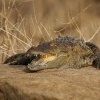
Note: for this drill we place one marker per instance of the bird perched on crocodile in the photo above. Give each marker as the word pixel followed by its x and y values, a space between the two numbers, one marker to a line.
pixel 62 52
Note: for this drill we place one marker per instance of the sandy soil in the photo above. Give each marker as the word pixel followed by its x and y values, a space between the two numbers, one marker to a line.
pixel 50 84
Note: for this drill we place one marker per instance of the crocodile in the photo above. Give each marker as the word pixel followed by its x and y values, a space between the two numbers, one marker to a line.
pixel 62 52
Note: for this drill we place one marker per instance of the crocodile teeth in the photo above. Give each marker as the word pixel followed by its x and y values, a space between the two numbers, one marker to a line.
pixel 36 55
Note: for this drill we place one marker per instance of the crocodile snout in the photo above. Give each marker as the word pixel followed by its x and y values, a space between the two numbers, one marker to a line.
pixel 41 63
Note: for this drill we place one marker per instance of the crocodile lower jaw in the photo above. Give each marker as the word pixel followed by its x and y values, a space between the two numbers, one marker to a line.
pixel 36 65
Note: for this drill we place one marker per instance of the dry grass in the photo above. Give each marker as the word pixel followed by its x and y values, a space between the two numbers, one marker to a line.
pixel 24 23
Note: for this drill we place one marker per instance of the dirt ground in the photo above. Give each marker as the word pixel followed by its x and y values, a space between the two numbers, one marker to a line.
pixel 50 84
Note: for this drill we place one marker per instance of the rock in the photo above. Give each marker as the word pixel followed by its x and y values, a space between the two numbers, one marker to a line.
pixel 49 84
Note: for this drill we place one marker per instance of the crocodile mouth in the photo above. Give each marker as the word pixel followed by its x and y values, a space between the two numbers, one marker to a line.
pixel 41 63
pixel 48 57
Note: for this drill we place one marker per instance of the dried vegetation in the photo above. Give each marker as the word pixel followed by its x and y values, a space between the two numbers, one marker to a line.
pixel 24 23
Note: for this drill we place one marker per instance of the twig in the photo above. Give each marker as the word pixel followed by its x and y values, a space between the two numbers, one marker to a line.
pixel 37 22
pixel 5 53
pixel 73 18
pixel 46 31
pixel 94 34
pixel 15 37
pixel 79 31
pixel 12 24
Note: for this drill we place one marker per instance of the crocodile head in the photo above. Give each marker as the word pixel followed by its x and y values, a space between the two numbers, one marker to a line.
pixel 41 63
pixel 62 53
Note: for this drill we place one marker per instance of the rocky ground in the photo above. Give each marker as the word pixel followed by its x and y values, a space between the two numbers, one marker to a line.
pixel 50 84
